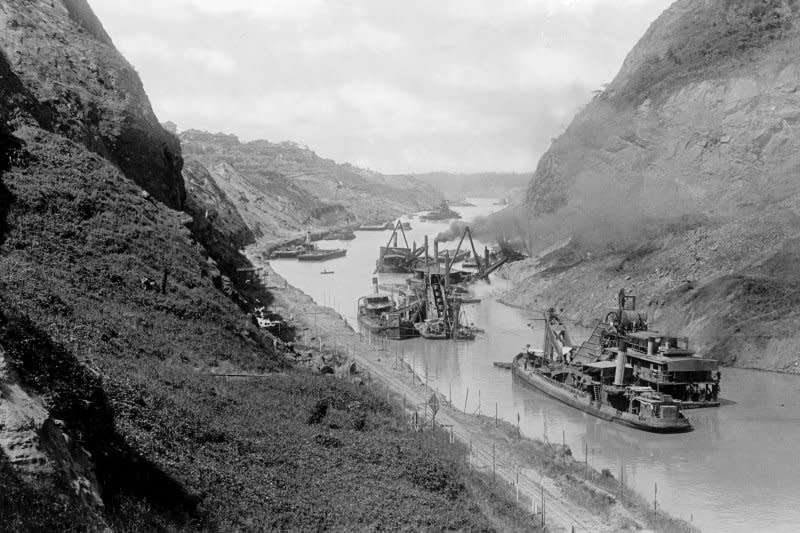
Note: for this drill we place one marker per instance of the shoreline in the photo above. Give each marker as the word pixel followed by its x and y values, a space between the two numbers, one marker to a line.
pixel 489 445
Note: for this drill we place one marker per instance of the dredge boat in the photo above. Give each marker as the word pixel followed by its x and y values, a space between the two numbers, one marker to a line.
pixel 660 361
pixel 600 387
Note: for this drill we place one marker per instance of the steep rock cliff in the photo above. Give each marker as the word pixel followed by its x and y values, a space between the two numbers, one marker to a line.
pixel 679 182
pixel 75 83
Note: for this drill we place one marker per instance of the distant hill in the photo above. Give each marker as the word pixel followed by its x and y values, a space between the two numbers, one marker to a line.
pixel 280 188
pixel 680 183
pixel 457 186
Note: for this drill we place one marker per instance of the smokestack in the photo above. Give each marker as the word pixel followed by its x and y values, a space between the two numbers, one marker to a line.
pixel 651 347
pixel 436 253
pixel 426 251
pixel 619 375
pixel 375 284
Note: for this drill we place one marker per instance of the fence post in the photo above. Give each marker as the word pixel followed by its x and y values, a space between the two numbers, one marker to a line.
pixel 655 498
pixel 494 477
pixel 586 455
pixel 542 505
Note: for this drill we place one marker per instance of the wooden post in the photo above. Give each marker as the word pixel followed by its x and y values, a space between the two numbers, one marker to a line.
pixel 542 505
pixel 655 498
pixel 586 455
pixel 494 477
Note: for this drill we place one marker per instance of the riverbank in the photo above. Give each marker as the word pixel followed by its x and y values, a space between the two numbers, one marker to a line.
pixel 535 470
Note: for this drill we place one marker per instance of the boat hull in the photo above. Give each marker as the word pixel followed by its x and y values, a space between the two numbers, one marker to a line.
pixel 581 400
pixel 394 329
pixel 317 256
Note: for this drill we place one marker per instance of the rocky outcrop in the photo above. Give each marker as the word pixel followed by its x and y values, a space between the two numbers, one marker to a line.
pixel 72 81
pixel 679 182
pixel 215 220
pixel 36 446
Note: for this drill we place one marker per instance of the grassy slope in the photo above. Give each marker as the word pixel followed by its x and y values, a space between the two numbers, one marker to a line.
pixel 177 449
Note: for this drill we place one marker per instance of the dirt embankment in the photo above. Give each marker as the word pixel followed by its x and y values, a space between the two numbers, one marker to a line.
pixel 678 182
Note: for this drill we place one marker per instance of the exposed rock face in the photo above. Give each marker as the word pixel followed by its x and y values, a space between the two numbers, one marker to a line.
pixel 337 189
pixel 34 444
pixel 216 222
pixel 679 181
pixel 68 78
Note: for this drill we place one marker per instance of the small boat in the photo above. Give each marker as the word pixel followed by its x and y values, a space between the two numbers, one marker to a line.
pixel 599 388
pixel 326 271
pixel 321 254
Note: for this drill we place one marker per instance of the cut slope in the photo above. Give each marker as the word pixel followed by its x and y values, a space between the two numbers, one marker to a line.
pixel 679 175
pixel 366 194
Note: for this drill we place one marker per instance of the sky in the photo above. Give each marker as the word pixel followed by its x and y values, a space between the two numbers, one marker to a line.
pixel 399 86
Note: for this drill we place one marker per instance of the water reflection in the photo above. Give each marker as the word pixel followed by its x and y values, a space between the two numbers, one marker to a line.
pixel 737 471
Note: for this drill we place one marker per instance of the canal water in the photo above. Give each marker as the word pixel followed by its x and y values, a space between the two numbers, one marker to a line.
pixel 738 471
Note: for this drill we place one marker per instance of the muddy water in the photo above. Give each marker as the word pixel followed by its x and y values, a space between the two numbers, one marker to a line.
pixel 739 470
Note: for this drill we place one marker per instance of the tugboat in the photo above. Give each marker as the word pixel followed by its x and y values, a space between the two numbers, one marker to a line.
pixel 601 388
pixel 442 212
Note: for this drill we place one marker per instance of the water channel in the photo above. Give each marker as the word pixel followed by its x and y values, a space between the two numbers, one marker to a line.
pixel 738 471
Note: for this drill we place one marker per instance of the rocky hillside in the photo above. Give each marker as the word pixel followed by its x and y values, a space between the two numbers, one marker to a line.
pixel 283 186
pixel 679 182
pixel 271 207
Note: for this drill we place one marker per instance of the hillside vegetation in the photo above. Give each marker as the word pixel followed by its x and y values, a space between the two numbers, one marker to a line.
pixel 679 182
pixel 114 328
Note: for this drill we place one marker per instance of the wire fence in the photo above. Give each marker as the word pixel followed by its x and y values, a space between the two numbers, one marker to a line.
pixel 532 494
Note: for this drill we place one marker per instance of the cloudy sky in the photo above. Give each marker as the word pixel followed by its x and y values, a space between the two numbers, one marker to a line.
pixel 396 86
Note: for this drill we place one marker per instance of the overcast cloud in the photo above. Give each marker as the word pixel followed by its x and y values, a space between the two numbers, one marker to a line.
pixel 400 86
